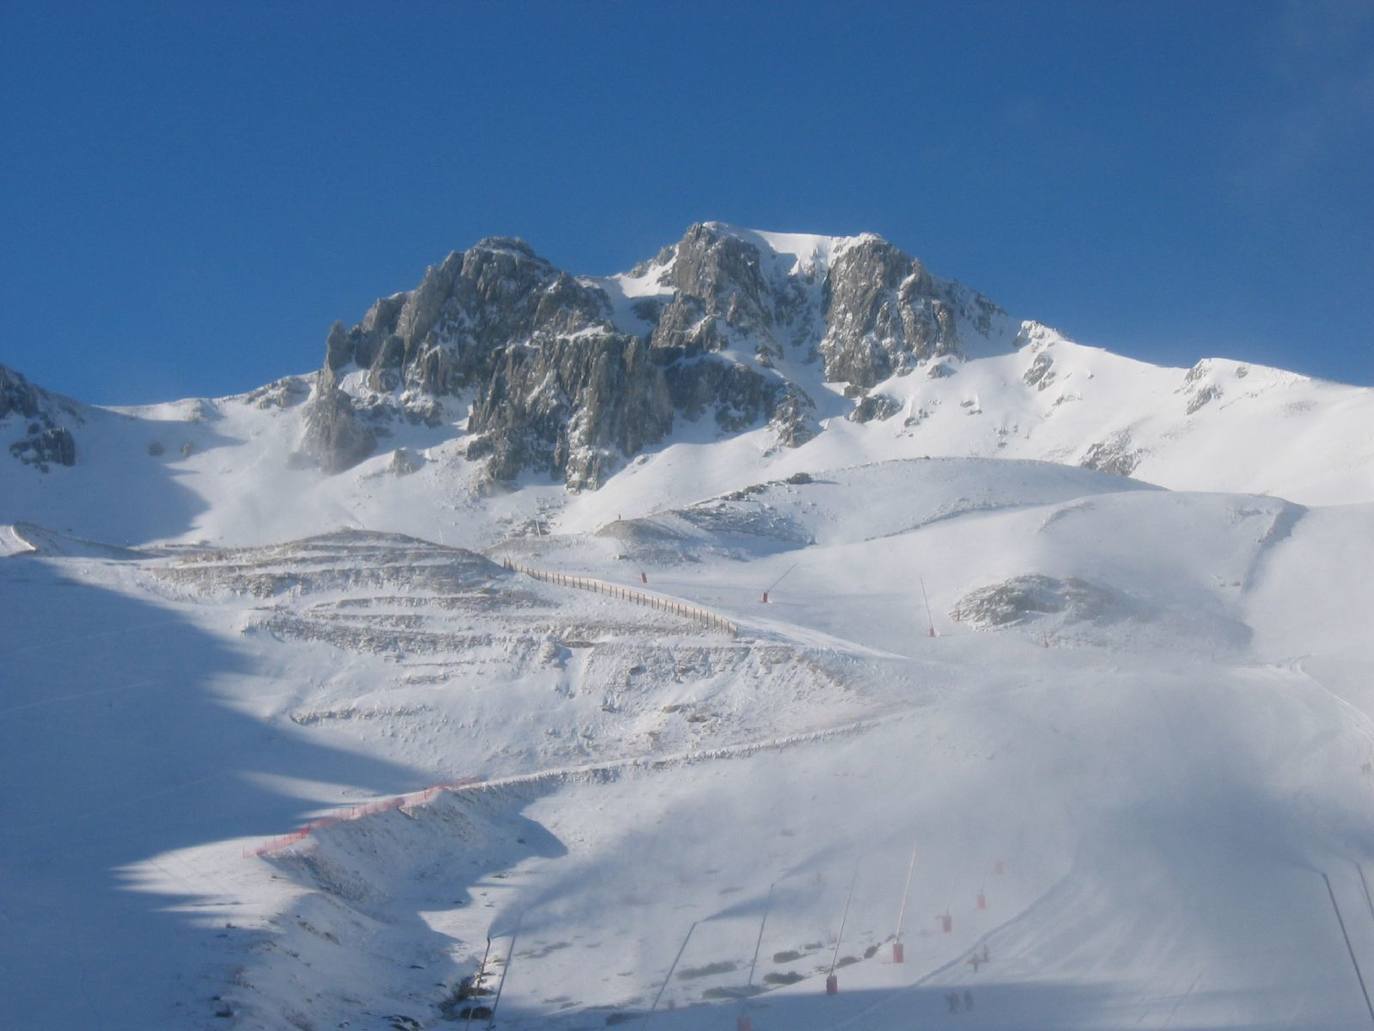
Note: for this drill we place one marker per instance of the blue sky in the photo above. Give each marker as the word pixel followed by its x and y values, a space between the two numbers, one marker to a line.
pixel 191 193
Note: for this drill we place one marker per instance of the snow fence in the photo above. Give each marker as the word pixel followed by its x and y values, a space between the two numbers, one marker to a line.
pixel 705 617
pixel 357 812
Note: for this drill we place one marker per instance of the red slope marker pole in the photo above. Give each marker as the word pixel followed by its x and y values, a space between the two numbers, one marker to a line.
pixel 832 983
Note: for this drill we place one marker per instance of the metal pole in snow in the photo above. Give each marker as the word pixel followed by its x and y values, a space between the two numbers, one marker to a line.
pixel 1365 885
pixel 477 981
pixel 661 988
pixel 844 919
pixel 930 620
pixel 762 924
pixel 780 579
pixel 505 969
pixel 1349 948
pixel 906 891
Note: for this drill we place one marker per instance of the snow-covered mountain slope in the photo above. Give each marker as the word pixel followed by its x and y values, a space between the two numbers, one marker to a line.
pixel 224 471
pixel 760 355
pixel 600 622
pixel 1142 749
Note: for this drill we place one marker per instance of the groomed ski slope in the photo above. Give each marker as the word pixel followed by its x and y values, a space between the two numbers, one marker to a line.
pixel 1163 767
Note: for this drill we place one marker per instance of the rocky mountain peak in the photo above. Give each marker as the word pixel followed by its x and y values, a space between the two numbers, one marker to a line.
pixel 570 376
pixel 883 313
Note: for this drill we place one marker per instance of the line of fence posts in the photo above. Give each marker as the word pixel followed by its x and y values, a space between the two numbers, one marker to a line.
pixel 699 615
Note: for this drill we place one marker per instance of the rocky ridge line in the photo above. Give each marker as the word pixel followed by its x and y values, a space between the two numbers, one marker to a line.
pixel 558 375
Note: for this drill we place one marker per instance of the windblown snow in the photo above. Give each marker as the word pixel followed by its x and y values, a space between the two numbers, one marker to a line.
pixel 1056 714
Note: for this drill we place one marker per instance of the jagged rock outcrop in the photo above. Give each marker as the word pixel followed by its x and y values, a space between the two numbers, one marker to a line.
pixel 561 381
pixel 875 407
pixel 724 296
pixel 1041 372
pixel 17 395
pixel 1117 455
pixel 572 410
pixel 884 313
pixel 334 436
pixel 45 441
pixel 54 445
pixel 447 333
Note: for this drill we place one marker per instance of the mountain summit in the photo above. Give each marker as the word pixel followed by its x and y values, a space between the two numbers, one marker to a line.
pixel 571 375
pixel 729 358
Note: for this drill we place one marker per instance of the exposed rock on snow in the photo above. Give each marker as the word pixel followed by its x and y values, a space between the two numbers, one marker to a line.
pixel 45 441
pixel 875 407
pixel 404 462
pixel 1024 598
pixel 1115 455
pixel 1041 372
pixel 884 312
pixel 284 393
pixel 334 436
pixel 17 395
pixel 573 410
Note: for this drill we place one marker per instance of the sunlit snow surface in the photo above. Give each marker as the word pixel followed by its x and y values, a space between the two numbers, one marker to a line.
pixel 1140 731
pixel 1161 768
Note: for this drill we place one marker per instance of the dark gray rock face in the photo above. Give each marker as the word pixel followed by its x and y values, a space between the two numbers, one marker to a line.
pixel 1116 455
pixel 45 441
pixel 1041 372
pixel 447 333
pixel 46 447
pixel 875 407
pixel 723 294
pixel 557 385
pixel 17 394
pixel 572 410
pixel 883 313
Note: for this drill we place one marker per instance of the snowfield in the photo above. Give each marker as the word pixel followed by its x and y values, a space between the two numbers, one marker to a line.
pixel 1144 784
pixel 1063 684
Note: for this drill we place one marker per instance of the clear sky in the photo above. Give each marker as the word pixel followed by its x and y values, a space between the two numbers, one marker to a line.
pixel 190 193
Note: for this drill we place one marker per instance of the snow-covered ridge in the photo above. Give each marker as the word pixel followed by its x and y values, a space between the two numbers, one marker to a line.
pixel 811 253
pixel 13 542
pixel 733 357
